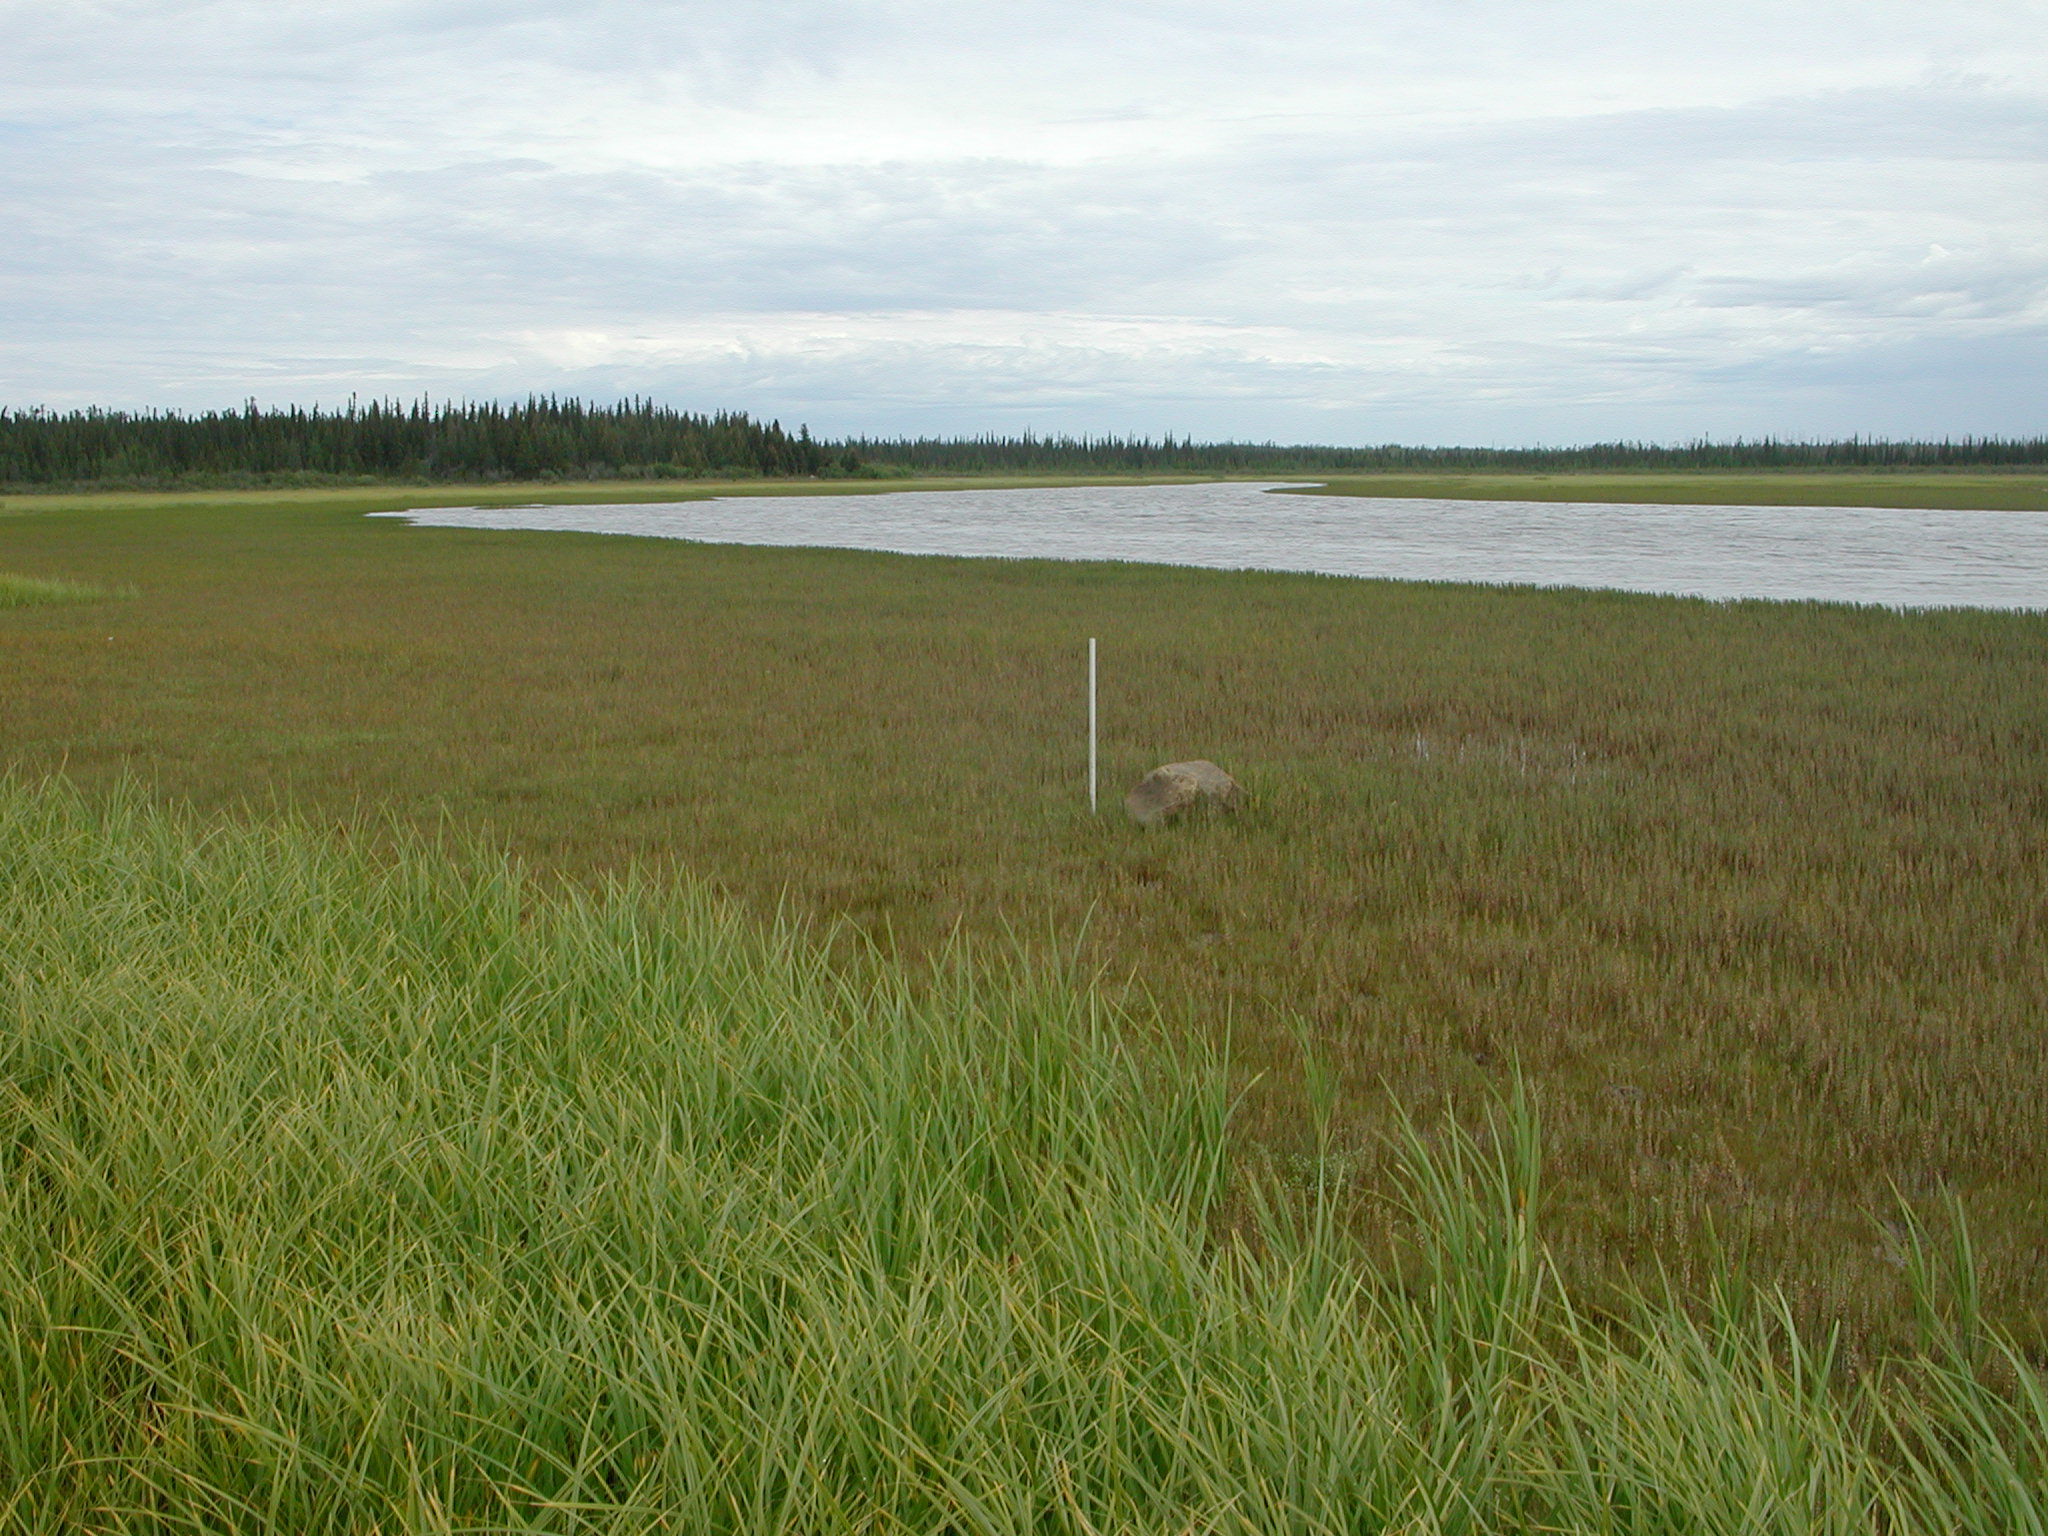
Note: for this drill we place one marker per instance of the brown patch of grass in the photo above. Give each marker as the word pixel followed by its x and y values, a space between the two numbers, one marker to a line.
pixel 1751 891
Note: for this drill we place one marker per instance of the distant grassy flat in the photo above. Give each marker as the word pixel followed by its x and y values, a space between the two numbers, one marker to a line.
pixel 2014 490
pixel 521 492
pixel 1752 891
pixel 2019 491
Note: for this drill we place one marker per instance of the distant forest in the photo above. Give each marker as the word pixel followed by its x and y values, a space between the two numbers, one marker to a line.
pixel 992 455
pixel 552 439
pixel 542 439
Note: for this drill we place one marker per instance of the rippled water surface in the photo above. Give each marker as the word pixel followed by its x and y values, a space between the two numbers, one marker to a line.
pixel 1904 558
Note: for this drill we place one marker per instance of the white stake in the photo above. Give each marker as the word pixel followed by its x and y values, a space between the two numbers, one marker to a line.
pixel 1091 725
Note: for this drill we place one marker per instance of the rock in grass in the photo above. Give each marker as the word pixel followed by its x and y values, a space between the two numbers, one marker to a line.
pixel 1173 788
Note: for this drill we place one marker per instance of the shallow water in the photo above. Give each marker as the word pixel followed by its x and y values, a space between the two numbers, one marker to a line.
pixel 1899 557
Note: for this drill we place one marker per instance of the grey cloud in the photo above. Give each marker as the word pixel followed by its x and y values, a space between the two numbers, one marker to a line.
pixel 1909 284
pixel 275 210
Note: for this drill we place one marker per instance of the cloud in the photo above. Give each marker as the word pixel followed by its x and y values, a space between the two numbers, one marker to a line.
pixel 1469 220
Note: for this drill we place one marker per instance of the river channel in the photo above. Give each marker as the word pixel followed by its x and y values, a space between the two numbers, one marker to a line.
pixel 1905 558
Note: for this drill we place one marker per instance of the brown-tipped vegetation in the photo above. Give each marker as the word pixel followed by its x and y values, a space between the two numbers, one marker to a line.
pixel 1752 892
pixel 352 1193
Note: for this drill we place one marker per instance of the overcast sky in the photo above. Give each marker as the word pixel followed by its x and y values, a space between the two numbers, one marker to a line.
pixel 1492 221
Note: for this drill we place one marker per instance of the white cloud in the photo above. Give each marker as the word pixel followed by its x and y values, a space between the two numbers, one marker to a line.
pixel 1467 220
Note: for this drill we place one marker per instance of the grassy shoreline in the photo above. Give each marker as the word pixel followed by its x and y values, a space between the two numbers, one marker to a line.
pixel 2013 491
pixel 1749 890
pixel 500 493
pixel 2017 489
pixel 348 1188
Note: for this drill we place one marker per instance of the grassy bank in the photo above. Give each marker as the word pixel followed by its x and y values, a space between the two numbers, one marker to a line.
pixel 1752 892
pixel 349 1190
pixel 360 498
pixel 2001 490
pixel 1992 490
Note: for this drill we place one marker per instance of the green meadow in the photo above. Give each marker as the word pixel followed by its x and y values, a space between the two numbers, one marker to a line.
pixel 619 1034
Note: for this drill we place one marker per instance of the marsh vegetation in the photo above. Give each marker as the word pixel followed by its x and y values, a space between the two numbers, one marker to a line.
pixel 348 1188
pixel 1749 892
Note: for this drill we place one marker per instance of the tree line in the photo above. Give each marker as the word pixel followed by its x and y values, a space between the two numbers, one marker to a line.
pixel 551 438
pixel 543 438
pixel 984 455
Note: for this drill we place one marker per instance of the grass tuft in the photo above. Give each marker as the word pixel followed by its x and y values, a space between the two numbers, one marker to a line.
pixel 38 591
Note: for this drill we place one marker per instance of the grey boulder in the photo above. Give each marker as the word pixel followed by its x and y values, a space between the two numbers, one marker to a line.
pixel 1174 788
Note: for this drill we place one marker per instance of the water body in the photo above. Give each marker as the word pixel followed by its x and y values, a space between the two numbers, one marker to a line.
pixel 1898 557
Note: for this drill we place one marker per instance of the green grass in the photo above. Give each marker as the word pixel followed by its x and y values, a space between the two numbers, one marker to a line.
pixel 2008 490
pixel 39 591
pixel 524 493
pixel 1751 892
pixel 350 1189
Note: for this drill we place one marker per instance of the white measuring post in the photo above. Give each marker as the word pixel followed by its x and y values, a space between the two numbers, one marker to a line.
pixel 1091 725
